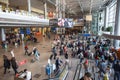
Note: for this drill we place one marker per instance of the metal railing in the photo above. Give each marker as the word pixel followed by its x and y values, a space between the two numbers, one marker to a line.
pixel 77 72
pixel 61 75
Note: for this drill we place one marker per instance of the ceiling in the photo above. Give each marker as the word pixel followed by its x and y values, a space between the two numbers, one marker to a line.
pixel 76 8
pixel 39 4
pixel 83 6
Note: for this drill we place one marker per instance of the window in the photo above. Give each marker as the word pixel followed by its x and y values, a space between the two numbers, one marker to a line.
pixel 111 14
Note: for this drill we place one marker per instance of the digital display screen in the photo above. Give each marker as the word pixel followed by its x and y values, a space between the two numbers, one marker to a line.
pixel 63 23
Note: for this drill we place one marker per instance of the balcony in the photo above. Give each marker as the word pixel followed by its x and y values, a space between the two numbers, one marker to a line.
pixel 21 19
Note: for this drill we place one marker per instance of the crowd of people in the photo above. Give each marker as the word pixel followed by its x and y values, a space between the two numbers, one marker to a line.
pixel 106 62
pixel 16 39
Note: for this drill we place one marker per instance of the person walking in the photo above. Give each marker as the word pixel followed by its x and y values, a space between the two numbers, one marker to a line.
pixel 57 63
pixel 116 68
pixel 14 65
pixel 12 53
pixel 54 50
pixel 6 63
pixel 37 55
pixel 26 50
pixel 86 65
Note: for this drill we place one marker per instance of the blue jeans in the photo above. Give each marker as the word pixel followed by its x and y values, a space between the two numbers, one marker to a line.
pixel 96 62
pixel 117 75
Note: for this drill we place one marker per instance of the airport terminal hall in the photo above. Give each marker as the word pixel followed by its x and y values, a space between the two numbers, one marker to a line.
pixel 59 39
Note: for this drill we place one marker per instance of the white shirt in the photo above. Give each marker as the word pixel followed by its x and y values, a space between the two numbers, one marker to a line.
pixel 28 75
pixel 12 53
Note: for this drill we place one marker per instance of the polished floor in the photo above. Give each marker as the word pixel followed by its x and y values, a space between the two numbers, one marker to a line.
pixel 37 68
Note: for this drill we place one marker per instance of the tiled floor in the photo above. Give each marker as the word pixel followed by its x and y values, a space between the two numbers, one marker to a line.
pixel 38 67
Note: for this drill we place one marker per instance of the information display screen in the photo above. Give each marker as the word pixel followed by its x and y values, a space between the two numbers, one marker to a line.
pixel 67 23
pixel 63 23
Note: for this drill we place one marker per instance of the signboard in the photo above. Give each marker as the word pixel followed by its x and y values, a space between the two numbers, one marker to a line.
pixel 28 31
pixel 21 31
pixel 61 23
pixel 53 22
pixel 67 23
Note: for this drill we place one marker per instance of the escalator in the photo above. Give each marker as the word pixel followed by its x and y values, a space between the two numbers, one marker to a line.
pixel 61 75
pixel 80 71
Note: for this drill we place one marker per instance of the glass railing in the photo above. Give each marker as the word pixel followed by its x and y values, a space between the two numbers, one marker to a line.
pixel 22 12
pixel 77 72
pixel 61 75
pixel 52 1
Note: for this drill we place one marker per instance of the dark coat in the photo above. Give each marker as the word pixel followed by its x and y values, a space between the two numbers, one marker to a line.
pixel 14 64
pixel 6 63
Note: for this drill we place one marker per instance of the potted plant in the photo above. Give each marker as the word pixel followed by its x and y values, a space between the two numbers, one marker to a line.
pixel 109 29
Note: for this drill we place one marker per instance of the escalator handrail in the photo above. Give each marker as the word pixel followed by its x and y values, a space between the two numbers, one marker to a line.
pixel 76 71
pixel 58 75
pixel 79 71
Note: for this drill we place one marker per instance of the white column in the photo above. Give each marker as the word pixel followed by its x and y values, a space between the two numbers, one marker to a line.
pixel 45 7
pixel 57 9
pixel 117 24
pixel 106 17
pixel 29 6
pixel 3 34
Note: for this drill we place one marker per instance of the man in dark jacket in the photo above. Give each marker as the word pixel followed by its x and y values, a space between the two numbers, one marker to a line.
pixel 14 65
pixel 6 63
pixel 87 76
pixel 116 68
pixel 57 63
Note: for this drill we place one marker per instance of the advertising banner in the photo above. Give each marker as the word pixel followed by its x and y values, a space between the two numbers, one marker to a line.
pixel 61 23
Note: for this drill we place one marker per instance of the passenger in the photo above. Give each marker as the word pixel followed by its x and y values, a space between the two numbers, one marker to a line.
pixel 6 63
pixel 116 68
pixel 37 55
pixel 14 65
pixel 54 52
pixel 86 65
pixel 26 50
pixel 102 68
pixel 109 72
pixel 87 76
pixel 12 53
pixel 28 75
pixel 57 63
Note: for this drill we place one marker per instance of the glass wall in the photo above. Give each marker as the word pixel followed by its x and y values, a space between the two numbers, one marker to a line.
pixel 111 12
pixel 111 15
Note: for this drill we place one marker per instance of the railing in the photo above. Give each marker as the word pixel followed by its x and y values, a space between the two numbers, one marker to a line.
pixel 52 1
pixel 61 75
pixel 17 19
pixel 77 72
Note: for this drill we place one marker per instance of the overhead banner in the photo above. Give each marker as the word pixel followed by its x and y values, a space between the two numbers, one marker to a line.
pixel 53 22
pixel 65 23
pixel 61 23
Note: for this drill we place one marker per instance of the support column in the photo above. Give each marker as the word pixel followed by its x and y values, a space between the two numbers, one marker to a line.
pixel 3 36
pixel 57 9
pixel 29 6
pixel 117 24
pixel 45 10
